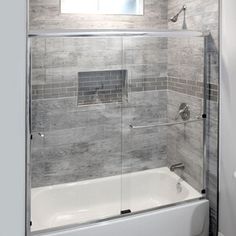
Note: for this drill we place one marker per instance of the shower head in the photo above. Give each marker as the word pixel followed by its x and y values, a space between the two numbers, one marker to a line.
pixel 175 18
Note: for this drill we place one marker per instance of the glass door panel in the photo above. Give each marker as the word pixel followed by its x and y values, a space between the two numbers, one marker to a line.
pixel 77 87
pixel 186 102
pixel 144 148
pixel 162 121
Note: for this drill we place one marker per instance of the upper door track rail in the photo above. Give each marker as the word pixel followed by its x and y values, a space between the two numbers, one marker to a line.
pixel 118 33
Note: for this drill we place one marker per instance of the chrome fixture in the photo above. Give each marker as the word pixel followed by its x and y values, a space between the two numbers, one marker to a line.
pixel 84 33
pixel 179 186
pixel 184 112
pixel 198 119
pixel 41 135
pixel 174 19
pixel 177 166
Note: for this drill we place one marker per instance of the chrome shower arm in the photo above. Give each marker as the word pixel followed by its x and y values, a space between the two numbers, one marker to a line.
pixel 175 18
pixel 182 9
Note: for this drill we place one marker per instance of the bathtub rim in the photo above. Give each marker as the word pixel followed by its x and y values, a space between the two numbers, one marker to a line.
pixel 197 194
pixel 159 170
pixel 109 219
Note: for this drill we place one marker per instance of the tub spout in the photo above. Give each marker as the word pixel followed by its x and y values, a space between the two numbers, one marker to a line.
pixel 177 166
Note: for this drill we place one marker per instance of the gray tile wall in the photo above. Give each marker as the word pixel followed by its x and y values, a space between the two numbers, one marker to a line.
pixel 45 14
pixel 84 142
pixel 186 84
pixel 185 142
pixel 201 15
pixel 58 60
pixel 96 140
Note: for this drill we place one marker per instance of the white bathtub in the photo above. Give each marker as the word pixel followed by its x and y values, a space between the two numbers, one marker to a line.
pixel 92 200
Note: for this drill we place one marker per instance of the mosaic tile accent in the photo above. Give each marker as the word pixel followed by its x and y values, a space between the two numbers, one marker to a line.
pixel 193 88
pixel 101 86
pixel 54 90
pixel 212 92
pixel 148 84
pixel 109 86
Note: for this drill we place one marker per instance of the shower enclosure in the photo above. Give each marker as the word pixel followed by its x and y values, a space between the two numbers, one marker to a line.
pixel 116 124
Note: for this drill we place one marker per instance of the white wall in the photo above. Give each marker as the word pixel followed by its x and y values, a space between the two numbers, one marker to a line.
pixel 228 120
pixel 12 120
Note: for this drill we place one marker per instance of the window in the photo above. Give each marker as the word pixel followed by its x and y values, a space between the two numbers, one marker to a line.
pixel 133 7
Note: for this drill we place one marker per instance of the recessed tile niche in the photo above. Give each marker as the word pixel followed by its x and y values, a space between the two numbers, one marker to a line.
pixel 97 87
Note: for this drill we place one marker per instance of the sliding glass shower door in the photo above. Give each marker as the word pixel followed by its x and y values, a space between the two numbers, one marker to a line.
pixel 143 149
pixel 78 85
pixel 163 122
pixel 117 125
